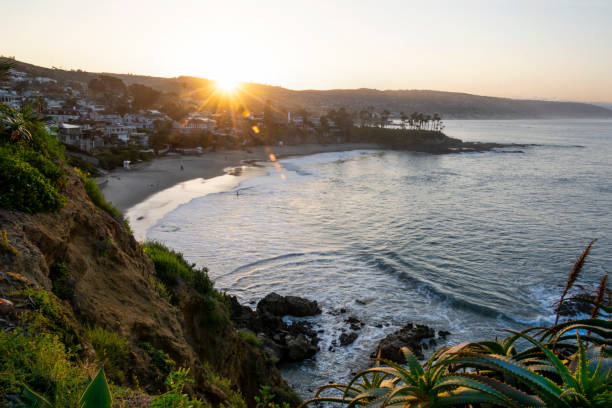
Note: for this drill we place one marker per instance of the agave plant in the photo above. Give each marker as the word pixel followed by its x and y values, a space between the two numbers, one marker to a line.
pixel 429 385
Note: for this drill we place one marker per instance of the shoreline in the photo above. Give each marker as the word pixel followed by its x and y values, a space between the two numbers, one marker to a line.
pixel 127 188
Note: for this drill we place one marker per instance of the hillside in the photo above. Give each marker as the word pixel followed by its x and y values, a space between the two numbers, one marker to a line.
pixel 449 105
pixel 78 292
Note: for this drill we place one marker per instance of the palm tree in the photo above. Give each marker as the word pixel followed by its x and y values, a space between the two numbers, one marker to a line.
pixel 15 125
pixel 437 121
pixel 384 116
pixel 403 119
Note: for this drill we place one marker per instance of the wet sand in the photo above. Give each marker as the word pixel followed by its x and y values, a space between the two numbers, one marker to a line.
pixel 126 188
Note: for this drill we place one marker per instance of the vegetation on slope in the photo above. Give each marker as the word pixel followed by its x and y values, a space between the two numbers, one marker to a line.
pixel 30 164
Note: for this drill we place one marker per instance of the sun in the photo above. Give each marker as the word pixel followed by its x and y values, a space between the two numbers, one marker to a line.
pixel 227 85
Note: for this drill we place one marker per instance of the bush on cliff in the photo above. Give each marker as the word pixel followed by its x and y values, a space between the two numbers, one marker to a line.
pixel 173 270
pixel 30 164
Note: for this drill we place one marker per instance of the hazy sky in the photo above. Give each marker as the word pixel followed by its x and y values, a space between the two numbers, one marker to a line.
pixel 529 49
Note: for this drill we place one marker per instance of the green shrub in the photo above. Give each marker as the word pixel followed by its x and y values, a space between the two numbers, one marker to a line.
pixel 63 288
pixel 170 266
pixel 83 165
pixel 5 245
pixel 95 194
pixel 249 337
pixel 50 317
pixel 234 398
pixel 41 361
pixel 30 163
pixel 24 188
pixel 112 350
pixel 160 358
pixel 175 398
pixel 266 399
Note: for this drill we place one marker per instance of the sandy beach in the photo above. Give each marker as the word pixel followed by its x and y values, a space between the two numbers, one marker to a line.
pixel 126 188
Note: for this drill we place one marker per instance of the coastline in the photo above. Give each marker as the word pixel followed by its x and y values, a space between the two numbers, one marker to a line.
pixel 127 188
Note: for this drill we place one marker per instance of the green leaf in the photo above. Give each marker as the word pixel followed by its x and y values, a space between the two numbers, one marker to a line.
pixel 36 399
pixel 540 384
pixel 562 370
pixel 97 394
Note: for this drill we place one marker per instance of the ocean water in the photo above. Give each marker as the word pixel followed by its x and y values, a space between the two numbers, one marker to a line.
pixel 469 243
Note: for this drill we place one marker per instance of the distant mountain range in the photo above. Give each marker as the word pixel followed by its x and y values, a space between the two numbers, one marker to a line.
pixel 450 105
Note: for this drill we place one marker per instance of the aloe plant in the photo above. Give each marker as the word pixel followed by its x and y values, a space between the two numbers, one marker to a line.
pixel 429 385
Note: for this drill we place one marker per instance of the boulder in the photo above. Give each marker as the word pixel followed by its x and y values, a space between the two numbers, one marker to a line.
pixel 282 342
pixel 278 305
pixel 300 348
pixel 410 336
pixel 346 339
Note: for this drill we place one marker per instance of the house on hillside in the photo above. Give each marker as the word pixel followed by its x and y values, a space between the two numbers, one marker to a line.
pixel 10 98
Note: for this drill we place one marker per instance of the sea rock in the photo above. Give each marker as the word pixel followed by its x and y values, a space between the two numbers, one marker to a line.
pixel 410 336
pixel 573 307
pixel 346 339
pixel 300 348
pixel 288 305
pixel 283 342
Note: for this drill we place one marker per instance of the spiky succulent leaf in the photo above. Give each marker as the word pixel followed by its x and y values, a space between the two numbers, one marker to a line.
pixel 97 394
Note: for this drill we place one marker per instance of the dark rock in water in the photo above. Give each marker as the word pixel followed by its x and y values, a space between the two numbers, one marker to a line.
pixel 410 336
pixel 288 305
pixel 346 339
pixel 282 342
pixel 443 333
pixel 300 348
pixel 573 307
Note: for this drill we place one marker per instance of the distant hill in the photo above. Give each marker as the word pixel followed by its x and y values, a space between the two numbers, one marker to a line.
pixel 447 104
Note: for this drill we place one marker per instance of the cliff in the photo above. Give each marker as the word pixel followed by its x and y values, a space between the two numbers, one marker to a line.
pixel 113 285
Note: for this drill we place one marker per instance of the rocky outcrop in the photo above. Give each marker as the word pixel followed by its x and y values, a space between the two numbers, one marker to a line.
pixel 283 342
pixel 278 305
pixel 113 287
pixel 411 336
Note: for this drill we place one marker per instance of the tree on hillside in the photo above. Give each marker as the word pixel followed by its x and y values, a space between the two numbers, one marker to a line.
pixel 5 66
pixel 107 84
pixel 144 96
pixel 384 118
pixel 403 120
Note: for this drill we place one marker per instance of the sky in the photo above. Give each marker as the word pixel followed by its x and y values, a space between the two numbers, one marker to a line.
pixel 556 50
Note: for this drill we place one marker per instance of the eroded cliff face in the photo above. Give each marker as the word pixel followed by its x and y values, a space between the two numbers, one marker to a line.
pixel 113 288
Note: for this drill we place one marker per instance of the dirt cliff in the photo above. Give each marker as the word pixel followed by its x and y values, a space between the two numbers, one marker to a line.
pixel 113 283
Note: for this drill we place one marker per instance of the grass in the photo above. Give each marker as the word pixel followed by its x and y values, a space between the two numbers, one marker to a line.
pixel 112 351
pixel 250 337
pixel 172 269
pixel 6 246
pixel 573 276
pixel 95 194
pixel 50 317
pixel 42 361
pixel 62 287
pixel 160 358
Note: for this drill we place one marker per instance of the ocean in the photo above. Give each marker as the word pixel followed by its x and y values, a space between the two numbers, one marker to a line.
pixel 471 243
